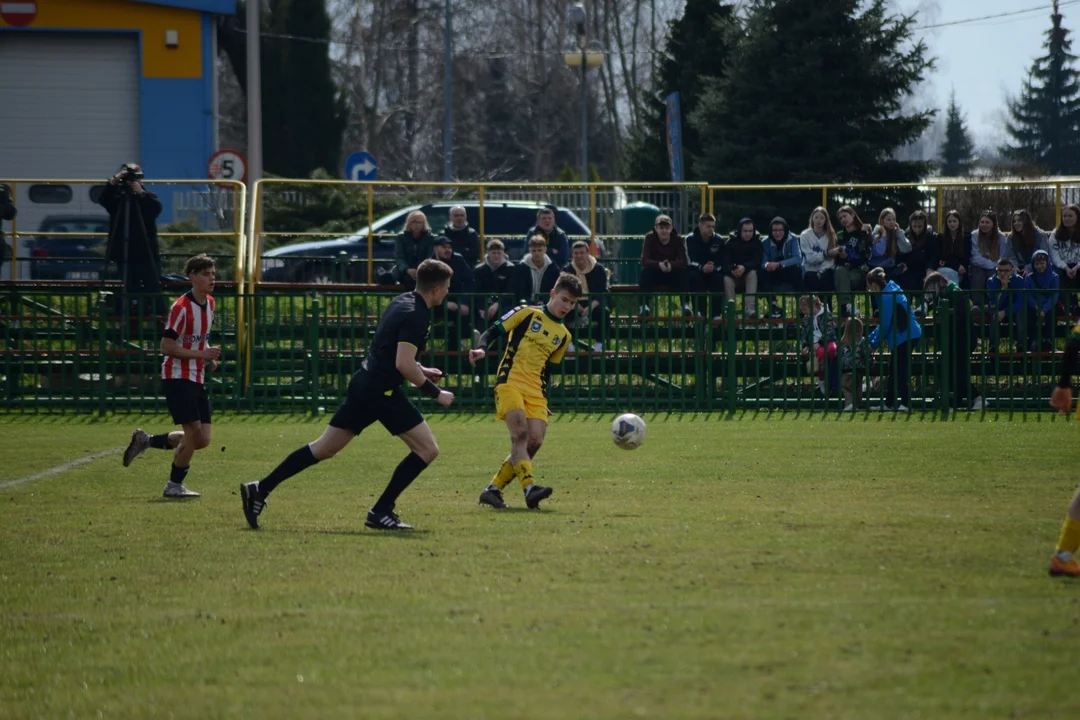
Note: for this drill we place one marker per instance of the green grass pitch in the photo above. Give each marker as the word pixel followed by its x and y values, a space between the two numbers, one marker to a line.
pixel 747 567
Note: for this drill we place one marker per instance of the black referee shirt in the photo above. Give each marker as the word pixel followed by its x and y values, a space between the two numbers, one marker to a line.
pixel 405 320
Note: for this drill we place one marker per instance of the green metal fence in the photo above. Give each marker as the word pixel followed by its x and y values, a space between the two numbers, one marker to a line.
pixel 87 350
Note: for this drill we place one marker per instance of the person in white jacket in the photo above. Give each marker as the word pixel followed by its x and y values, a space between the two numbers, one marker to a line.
pixel 818 245
pixel 988 245
pixel 1065 253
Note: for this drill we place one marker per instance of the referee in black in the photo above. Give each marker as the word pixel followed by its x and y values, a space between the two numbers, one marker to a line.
pixel 375 394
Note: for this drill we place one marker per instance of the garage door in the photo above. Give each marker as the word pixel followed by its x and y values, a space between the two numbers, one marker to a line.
pixel 70 109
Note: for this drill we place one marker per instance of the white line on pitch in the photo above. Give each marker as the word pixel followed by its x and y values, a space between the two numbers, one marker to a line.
pixel 60 468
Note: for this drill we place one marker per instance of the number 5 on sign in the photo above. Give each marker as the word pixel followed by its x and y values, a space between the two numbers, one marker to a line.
pixel 227 165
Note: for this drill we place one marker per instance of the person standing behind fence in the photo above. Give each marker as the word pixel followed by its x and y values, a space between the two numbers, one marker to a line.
pixel 854 362
pixel 1044 301
pixel 558 245
pixel 817 336
pixel 412 246
pixel 494 280
pixel 819 247
pixel 988 245
pixel 705 250
pixel 742 265
pixel 1024 240
pixel 1065 254
pixel 922 259
pixel 133 242
pixel 664 264
pixel 465 239
pixel 188 355
pixel 782 264
pixel 900 331
pixel 955 257
pixel 956 346
pixel 7 212
pixel 853 253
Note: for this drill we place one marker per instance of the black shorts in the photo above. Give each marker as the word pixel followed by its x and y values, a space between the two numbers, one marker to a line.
pixel 187 401
pixel 368 401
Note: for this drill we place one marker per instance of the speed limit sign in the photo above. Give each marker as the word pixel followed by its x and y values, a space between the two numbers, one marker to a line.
pixel 227 165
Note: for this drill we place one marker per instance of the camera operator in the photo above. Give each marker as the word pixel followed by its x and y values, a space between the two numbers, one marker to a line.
pixel 7 212
pixel 133 241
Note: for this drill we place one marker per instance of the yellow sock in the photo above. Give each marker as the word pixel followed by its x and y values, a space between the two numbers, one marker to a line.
pixel 504 476
pixel 523 470
pixel 1070 536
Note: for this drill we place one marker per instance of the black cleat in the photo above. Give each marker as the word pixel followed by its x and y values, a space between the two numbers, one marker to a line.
pixel 535 494
pixel 492 496
pixel 254 503
pixel 139 442
pixel 385 521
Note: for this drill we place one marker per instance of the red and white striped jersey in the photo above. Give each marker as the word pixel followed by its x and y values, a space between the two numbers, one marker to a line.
pixel 189 325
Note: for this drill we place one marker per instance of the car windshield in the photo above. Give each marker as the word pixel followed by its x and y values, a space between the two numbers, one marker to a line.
pixel 77 225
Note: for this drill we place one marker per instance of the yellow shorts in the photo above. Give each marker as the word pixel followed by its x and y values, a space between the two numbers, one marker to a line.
pixel 508 397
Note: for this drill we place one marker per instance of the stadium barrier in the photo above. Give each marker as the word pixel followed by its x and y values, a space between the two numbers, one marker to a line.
pixel 69 350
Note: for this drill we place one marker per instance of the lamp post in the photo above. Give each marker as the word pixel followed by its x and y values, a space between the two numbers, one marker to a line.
pixel 584 53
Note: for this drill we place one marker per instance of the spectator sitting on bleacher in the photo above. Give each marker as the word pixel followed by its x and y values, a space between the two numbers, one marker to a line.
pixel 465 238
pixel 988 245
pixel 535 276
pixel 854 362
pixel 817 336
pixel 1024 240
pixel 818 244
pixel 591 306
pixel 7 212
pixel 412 246
pixel 742 262
pixel 853 252
pixel 705 251
pixel 455 310
pixel 1065 252
pixel 889 243
pixel 1046 307
pixel 664 264
pixel 955 250
pixel 923 257
pixel 558 246
pixel 782 269
pixel 1008 298
pixel 494 279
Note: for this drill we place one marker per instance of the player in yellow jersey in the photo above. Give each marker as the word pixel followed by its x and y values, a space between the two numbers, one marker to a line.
pixel 536 339
pixel 1064 560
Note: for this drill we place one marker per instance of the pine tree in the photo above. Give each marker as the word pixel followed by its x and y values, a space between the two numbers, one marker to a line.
pixel 812 94
pixel 957 152
pixel 694 54
pixel 1044 122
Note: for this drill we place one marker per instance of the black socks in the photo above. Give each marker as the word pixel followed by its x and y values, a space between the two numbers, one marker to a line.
pixel 298 461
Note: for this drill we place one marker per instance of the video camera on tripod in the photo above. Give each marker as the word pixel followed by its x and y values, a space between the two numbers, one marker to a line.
pixel 129 173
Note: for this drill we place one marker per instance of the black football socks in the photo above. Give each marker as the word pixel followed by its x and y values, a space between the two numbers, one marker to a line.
pixel 177 474
pixel 298 461
pixel 160 442
pixel 406 471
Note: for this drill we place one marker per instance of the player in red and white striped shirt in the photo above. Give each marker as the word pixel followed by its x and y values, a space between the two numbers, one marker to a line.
pixel 188 354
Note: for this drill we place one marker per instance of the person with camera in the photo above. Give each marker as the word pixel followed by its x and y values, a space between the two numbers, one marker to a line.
pixel 7 212
pixel 133 241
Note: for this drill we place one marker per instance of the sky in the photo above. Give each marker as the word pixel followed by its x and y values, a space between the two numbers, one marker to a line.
pixel 985 61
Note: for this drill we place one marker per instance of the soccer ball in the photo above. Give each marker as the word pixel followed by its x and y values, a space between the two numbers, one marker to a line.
pixel 628 431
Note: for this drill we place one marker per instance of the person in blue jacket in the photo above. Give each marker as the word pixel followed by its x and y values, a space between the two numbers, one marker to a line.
pixel 1009 303
pixel 900 331
pixel 781 269
pixel 1046 306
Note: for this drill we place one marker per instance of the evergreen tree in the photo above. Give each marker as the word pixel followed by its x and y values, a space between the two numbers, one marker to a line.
pixel 695 52
pixel 957 152
pixel 812 94
pixel 1044 122
pixel 304 116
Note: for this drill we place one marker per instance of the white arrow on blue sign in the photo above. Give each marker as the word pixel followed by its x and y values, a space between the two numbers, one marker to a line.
pixel 361 166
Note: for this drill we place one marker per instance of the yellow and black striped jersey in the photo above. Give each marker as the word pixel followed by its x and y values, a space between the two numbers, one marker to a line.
pixel 536 338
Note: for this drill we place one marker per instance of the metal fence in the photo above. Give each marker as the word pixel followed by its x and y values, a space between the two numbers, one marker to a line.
pixel 68 350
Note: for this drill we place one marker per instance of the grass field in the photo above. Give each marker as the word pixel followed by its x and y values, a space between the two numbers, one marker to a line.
pixel 882 567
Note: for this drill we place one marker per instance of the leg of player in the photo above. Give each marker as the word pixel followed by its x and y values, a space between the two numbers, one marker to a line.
pixel 1064 560
pixel 519 451
pixel 141 440
pixel 537 429
pixel 422 452
pixel 193 439
pixel 254 494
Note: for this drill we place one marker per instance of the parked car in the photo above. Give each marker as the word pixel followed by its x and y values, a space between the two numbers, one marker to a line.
pixel 344 259
pixel 69 258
